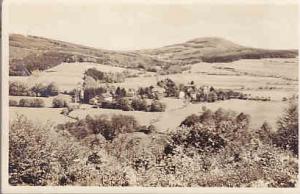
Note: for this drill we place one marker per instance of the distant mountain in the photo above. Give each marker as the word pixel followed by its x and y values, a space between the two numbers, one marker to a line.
pixel 29 53
pixel 213 49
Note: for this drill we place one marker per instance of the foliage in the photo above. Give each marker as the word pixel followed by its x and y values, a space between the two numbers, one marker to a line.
pixel 157 106
pixel 287 135
pixel 40 156
pixel 52 89
pixel 108 128
pixel 105 77
pixel 124 104
pixel 90 93
pixel 28 102
pixel 13 102
pixel 59 102
pixel 215 150
pixel 139 104
pixel 17 88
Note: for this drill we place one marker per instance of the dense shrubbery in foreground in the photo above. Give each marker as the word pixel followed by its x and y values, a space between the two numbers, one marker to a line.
pixel 211 149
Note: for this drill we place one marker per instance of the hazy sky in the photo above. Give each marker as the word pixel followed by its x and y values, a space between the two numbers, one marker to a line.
pixel 148 25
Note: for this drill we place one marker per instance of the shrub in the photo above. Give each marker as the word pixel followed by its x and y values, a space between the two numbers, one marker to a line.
pixel 90 93
pixel 52 89
pixel 108 128
pixel 39 156
pixel 265 134
pixel 59 102
pixel 17 88
pixel 105 77
pixel 212 97
pixel 13 103
pixel 157 106
pixel 39 89
pixel 190 120
pixel 139 104
pixel 198 137
pixel 287 135
pixel 31 102
pixel 124 104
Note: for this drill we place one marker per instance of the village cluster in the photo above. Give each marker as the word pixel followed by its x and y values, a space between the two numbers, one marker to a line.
pixel 97 90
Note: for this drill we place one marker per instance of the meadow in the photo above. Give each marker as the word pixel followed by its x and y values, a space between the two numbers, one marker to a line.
pixel 257 82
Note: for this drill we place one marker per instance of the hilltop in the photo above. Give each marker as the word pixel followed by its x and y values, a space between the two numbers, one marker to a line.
pixel 29 53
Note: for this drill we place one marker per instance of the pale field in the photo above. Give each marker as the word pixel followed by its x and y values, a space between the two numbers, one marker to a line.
pixel 285 68
pixel 262 74
pixel 67 75
pixel 177 110
pixel 39 115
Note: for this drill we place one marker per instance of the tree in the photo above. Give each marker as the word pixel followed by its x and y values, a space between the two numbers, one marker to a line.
pixel 40 89
pixel 139 104
pixel 287 135
pixel 52 89
pixel 124 104
pixel 13 102
pixel 157 106
pixel 59 102
pixel 190 120
pixel 212 96
pixel 265 133
pixel 17 88
pixel 31 103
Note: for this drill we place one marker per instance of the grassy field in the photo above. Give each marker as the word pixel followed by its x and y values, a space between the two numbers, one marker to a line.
pixel 262 74
pixel 175 113
pixel 67 75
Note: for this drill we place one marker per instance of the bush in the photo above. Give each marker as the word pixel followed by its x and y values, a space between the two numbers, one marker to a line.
pixel 59 102
pixel 157 106
pixel 287 135
pixel 39 156
pixel 18 88
pixel 31 102
pixel 13 103
pixel 90 93
pixel 108 128
pixel 105 77
pixel 124 104
pixel 139 104
pixel 198 137
pixel 190 120
pixel 52 89
pixel 39 89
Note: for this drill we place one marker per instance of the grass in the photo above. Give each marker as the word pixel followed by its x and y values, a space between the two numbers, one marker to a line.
pixel 68 75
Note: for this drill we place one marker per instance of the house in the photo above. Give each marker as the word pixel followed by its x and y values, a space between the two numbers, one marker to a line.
pixel 130 92
pixel 181 95
pixel 193 96
pixel 105 97
pixel 158 91
pixel 206 90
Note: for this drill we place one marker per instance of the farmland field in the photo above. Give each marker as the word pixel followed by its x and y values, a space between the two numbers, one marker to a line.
pixel 67 76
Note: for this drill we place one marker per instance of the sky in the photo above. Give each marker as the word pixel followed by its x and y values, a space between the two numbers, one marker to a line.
pixel 131 25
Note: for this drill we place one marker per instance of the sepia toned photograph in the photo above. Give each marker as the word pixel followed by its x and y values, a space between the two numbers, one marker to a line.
pixel 149 94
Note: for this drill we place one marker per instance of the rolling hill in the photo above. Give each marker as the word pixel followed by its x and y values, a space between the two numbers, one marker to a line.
pixel 29 53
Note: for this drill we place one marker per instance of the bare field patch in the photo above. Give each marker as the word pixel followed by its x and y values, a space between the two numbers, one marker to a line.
pixel 284 68
pixel 39 115
pixel 67 75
